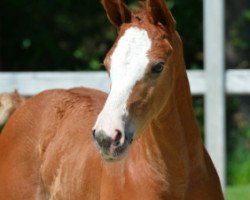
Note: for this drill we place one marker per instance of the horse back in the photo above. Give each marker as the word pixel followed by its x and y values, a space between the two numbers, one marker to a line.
pixel 51 129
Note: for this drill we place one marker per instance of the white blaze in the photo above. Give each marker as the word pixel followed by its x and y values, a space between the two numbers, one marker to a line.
pixel 129 60
pixel 128 64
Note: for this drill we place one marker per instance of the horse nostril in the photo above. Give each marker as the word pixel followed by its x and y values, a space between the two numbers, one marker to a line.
pixel 102 139
pixel 118 137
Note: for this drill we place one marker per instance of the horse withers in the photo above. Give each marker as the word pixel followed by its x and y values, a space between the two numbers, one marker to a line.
pixel 139 142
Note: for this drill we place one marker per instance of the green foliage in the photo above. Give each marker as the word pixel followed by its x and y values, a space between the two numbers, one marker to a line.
pixel 238 148
pixel 76 35
pixel 188 16
pixel 53 35
pixel 239 167
pixel 198 104
pixel 238 126
pixel 239 37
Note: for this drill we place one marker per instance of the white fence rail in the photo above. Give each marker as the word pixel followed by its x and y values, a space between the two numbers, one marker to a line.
pixel 30 83
pixel 237 82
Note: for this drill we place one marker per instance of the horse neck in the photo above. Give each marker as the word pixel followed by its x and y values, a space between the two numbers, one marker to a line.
pixel 174 130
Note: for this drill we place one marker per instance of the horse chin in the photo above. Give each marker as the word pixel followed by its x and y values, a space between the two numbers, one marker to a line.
pixel 117 155
pixel 114 158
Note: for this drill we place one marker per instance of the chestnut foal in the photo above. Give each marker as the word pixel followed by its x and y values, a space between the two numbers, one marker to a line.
pixel 146 141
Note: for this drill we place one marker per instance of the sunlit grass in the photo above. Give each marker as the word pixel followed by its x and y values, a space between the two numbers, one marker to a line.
pixel 238 192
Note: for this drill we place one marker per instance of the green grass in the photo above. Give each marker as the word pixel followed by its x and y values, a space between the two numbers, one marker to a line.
pixel 238 192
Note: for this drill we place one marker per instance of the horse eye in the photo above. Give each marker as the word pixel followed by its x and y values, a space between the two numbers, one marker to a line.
pixel 157 68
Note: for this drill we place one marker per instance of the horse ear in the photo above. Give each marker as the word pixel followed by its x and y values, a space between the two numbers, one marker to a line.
pixel 117 12
pixel 161 14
